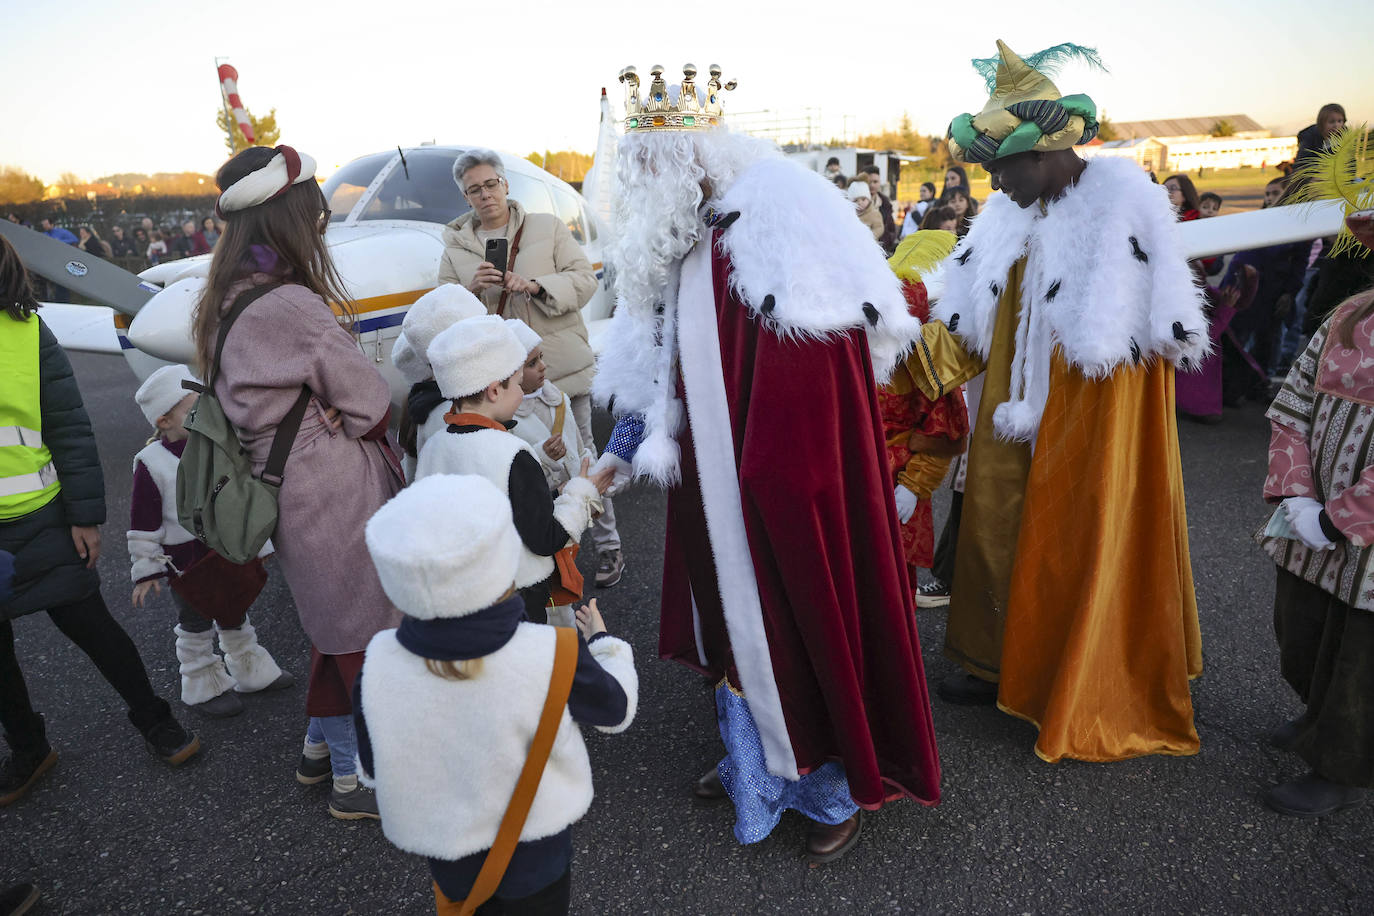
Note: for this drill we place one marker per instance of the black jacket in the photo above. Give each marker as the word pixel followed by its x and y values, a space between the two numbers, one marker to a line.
pixel 48 571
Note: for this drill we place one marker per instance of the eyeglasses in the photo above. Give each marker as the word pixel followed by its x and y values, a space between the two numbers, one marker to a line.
pixel 490 185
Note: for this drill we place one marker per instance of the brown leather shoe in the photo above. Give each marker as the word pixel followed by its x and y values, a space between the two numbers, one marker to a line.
pixel 826 842
pixel 709 787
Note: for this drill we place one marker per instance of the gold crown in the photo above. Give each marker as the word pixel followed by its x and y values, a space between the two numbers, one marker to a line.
pixel 657 111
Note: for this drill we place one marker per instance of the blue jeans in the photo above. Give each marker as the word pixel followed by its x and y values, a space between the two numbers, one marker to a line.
pixel 338 733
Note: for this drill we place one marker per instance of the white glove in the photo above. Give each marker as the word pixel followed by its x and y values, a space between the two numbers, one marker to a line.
pixel 624 472
pixel 1304 514
pixel 906 503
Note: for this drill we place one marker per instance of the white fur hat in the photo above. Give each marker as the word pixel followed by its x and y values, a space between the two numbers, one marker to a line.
pixel 858 190
pixel 440 308
pixel 529 338
pixel 445 546
pixel 162 391
pixel 473 353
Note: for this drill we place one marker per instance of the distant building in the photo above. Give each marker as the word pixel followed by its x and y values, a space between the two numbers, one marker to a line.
pixel 1187 144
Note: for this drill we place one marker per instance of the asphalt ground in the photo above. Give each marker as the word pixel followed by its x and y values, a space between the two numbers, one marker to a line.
pixel 112 830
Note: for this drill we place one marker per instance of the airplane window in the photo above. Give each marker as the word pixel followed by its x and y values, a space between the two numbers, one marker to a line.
pixel 422 190
pixel 345 186
pixel 532 193
pixel 570 212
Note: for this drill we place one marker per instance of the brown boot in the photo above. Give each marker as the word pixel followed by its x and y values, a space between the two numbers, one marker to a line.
pixel 826 842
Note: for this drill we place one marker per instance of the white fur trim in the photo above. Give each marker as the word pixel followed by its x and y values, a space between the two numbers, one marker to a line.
pixel 434 312
pixel 797 240
pixel 445 546
pixel 252 666
pixel 162 391
pixel 444 766
pixel 203 676
pixel 487 453
pixel 616 656
pixel 529 338
pixel 1115 301
pixel 468 356
pixel 715 454
pixel 260 186
pixel 574 506
pixel 147 548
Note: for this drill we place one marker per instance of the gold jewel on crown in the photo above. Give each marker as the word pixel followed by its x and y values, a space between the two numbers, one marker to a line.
pixel 656 110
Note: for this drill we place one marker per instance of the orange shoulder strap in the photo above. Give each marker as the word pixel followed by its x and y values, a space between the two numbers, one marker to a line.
pixel 498 857
pixel 558 416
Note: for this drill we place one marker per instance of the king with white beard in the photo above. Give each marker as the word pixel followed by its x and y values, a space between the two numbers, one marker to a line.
pixel 753 314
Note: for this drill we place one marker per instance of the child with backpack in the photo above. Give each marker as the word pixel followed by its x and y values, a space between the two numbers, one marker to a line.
pixel 478 363
pixel 159 547
pixel 452 776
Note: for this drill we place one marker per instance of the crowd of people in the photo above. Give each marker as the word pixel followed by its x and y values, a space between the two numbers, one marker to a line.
pixel 1016 384
pixel 145 240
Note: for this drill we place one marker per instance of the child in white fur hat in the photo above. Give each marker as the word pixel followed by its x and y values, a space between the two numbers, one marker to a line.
pixel 435 311
pixel 159 547
pixel 478 363
pixel 448 703
pixel 544 418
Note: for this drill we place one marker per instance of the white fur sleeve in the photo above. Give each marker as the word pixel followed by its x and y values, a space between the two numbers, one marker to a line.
pixel 146 554
pixel 1178 316
pixel 573 509
pixel 617 658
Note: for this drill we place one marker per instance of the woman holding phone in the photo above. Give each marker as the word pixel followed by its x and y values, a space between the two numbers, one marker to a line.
pixel 544 281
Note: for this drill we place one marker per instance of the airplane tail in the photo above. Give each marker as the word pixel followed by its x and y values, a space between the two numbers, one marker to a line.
pixel 598 187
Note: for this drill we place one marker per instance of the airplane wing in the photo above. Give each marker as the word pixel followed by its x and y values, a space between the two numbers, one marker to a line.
pixel 91 277
pixel 82 328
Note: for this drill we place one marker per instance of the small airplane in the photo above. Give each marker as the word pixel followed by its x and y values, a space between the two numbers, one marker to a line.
pixel 385 237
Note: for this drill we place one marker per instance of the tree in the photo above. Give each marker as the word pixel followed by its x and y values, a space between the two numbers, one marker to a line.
pixel 18 186
pixel 568 165
pixel 1223 128
pixel 265 130
pixel 1106 130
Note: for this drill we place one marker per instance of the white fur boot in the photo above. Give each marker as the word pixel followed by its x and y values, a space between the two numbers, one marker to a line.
pixel 203 676
pixel 250 664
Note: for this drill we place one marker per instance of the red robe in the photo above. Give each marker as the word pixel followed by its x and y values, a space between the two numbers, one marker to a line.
pixel 823 538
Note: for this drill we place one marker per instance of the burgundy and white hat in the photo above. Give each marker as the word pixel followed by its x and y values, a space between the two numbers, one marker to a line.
pixel 276 176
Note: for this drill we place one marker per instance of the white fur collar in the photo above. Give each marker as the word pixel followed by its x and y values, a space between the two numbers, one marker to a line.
pixel 1106 282
pixel 548 394
pixel 805 266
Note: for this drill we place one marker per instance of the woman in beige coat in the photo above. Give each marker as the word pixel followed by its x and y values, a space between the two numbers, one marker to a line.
pixel 547 281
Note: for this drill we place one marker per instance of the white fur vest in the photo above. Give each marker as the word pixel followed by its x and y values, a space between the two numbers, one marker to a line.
pixel 444 766
pixel 145 547
pixel 1106 282
pixel 489 453
pixel 801 262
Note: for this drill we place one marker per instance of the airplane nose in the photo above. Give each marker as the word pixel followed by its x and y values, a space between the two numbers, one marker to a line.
pixel 162 327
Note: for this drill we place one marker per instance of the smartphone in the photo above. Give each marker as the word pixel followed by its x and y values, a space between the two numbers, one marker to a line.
pixel 496 253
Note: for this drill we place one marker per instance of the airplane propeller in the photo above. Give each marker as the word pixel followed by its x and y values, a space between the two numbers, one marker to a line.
pixel 92 277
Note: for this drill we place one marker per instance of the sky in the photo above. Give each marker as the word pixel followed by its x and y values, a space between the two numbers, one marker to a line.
pixel 97 88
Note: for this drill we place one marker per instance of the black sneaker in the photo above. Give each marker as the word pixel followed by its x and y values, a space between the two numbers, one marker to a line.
pixel 312 770
pixel 168 740
pixel 19 771
pixel 933 594
pixel 610 567
pixel 354 805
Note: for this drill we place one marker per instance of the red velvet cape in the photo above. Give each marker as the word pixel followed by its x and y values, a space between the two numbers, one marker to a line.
pixel 823 535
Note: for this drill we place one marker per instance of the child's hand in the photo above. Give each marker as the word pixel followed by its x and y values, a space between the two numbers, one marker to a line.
pixel 601 480
pixel 141 590
pixel 556 448
pixel 589 620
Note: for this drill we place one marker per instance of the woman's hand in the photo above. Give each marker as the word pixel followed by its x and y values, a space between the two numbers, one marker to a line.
pixel 486 277
pixel 142 589
pixel 518 284
pixel 589 620
pixel 331 416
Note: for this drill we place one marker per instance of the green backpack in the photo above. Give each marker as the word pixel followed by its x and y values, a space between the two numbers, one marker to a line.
pixel 218 498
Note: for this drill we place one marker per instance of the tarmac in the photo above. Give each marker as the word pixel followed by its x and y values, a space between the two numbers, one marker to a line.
pixel 113 830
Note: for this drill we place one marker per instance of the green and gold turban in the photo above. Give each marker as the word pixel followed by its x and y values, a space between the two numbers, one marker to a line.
pixel 1026 111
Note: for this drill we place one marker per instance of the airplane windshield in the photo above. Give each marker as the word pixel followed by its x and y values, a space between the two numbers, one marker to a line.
pixel 423 190
pixel 345 186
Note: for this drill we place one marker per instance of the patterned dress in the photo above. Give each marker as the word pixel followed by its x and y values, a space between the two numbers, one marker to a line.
pixel 1323 447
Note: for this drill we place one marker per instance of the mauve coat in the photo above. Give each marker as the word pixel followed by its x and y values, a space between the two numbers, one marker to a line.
pixel 334 480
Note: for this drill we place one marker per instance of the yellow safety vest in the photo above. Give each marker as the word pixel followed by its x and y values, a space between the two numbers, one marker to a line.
pixel 28 480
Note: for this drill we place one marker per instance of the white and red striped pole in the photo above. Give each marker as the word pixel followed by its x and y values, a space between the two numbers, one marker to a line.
pixel 228 80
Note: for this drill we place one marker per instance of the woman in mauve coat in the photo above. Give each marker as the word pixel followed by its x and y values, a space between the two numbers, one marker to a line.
pixel 342 466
